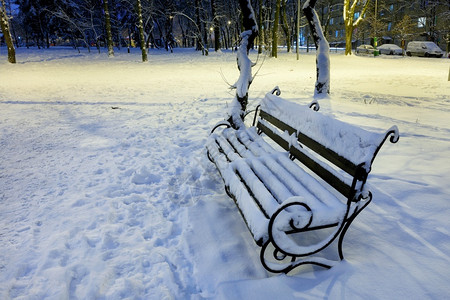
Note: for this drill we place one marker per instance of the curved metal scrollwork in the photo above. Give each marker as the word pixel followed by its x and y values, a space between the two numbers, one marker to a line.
pixel 393 135
pixel 287 254
pixel 276 91
pixel 274 218
pixel 314 105
pixel 288 264
pixel 256 110
pixel 222 123
pixel 366 199
pixel 256 114
pixel 361 205
pixel 209 156
pixel 279 255
pixel 248 112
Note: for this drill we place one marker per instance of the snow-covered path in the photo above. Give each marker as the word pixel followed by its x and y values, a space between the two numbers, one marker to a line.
pixel 106 193
pixel 90 195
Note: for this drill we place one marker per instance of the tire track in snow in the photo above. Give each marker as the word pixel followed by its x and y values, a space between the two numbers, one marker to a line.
pixel 382 212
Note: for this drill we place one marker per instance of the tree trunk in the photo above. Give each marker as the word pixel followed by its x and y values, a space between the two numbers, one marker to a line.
pixel 215 25
pixel 108 29
pixel 183 34
pixel 16 40
pixel 141 31
pixel 128 40
pixel 97 45
pixel 323 59
pixel 4 22
pixel 285 26
pixel 275 30
pixel 205 37
pixel 169 43
pixel 239 105
pixel 297 30
pixel 349 22
pixel 260 29
pixel 348 40
pixel 199 26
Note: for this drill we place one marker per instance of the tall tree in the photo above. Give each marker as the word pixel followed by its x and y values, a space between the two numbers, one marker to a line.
pixel 4 20
pixel 323 59
pixel 260 24
pixel 275 30
pixel 109 39
pixel 141 30
pixel 82 17
pixel 403 29
pixel 216 25
pixel 297 29
pixel 239 105
pixel 285 25
pixel 199 24
pixel 349 13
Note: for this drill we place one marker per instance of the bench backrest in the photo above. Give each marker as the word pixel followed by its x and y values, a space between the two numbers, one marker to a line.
pixel 327 146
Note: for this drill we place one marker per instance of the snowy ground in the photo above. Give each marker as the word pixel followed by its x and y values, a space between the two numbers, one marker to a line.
pixel 105 191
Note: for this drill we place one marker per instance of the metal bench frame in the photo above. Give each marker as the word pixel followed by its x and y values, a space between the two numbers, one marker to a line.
pixel 273 256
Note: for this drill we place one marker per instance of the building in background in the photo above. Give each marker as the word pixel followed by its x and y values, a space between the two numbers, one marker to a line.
pixel 394 21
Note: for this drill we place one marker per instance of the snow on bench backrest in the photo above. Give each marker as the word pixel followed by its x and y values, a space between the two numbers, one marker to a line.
pixel 355 144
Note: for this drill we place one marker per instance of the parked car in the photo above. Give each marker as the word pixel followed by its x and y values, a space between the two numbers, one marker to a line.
pixel 364 49
pixel 426 49
pixel 390 49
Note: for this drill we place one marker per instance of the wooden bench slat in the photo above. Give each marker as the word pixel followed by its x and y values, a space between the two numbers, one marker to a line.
pixel 271 182
pixel 274 136
pixel 227 148
pixel 246 143
pixel 256 143
pixel 289 185
pixel 312 185
pixel 328 154
pixel 255 219
pixel 238 144
pixel 264 198
pixel 292 182
pixel 325 174
pixel 355 144
pixel 309 161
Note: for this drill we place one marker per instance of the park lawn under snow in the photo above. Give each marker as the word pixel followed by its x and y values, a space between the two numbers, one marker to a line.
pixel 106 191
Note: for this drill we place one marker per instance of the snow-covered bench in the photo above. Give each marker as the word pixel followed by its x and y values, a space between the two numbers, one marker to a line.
pixel 298 178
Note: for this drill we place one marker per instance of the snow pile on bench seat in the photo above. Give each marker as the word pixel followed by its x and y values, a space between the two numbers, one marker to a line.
pixel 351 142
pixel 257 168
pixel 256 220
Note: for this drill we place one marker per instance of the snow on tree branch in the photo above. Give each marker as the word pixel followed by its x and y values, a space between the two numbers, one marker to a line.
pixel 350 23
pixel 239 104
pixel 323 59
pixel 4 26
pixel 361 15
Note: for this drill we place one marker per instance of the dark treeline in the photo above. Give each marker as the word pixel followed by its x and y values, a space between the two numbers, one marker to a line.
pixel 216 24
pixel 166 23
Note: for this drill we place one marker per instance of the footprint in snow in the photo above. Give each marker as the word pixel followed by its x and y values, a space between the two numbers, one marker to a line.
pixel 143 176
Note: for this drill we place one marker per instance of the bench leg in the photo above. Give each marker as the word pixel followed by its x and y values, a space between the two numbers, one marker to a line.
pixel 281 254
pixel 349 222
pixel 209 156
pixel 276 262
